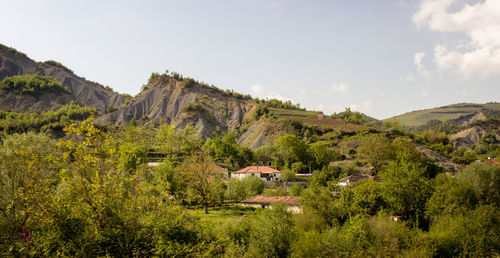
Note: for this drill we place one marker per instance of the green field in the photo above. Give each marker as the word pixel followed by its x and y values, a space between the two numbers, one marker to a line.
pixel 281 112
pixel 445 113
pixel 225 214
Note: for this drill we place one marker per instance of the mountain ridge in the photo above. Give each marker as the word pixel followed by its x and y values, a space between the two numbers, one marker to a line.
pixel 13 62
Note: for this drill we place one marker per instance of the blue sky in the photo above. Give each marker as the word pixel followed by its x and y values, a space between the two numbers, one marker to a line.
pixel 382 58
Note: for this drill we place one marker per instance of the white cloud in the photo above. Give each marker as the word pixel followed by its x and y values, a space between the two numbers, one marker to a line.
pixel 408 78
pixel 256 88
pixel 417 60
pixel 339 88
pixel 424 93
pixel 363 107
pixel 480 22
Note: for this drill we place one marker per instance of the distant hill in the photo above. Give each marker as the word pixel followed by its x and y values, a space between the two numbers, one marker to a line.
pixel 166 98
pixel 460 114
pixel 13 62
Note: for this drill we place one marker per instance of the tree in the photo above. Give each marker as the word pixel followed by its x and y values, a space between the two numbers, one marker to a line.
pixel 450 197
pixel 485 180
pixel 367 198
pixel 201 180
pixel 376 150
pixel 287 175
pixel 290 149
pixel 227 151
pixel 273 234
pixel 240 189
pixel 406 189
pixel 28 175
pixel 322 154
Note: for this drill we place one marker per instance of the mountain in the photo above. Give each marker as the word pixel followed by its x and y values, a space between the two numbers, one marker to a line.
pixel 184 102
pixel 13 62
pixel 458 114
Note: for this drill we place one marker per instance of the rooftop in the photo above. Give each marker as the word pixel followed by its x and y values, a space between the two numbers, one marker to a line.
pixel 264 199
pixel 258 169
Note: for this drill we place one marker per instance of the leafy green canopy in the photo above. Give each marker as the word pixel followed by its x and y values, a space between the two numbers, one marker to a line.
pixel 32 84
pixel 14 122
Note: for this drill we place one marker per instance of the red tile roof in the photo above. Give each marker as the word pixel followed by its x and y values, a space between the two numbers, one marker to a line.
pixel 217 168
pixel 489 161
pixel 258 169
pixel 263 199
pixel 495 162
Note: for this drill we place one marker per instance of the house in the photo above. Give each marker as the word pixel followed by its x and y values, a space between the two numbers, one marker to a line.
pixel 267 174
pixel 218 169
pixel 353 179
pixel 264 201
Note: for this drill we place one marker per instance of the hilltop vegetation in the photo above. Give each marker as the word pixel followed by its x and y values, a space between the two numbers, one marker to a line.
pixel 13 51
pixel 33 84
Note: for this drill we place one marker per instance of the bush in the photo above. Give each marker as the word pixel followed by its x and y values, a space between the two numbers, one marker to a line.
pixel 32 84
pixel 241 189
pixel 193 107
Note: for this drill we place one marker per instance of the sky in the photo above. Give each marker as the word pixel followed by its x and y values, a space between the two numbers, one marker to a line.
pixel 382 58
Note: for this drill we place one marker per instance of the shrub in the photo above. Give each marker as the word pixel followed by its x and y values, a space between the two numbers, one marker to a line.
pixel 192 107
pixel 32 84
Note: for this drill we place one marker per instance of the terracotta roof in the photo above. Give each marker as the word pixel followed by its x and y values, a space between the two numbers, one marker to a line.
pixel 208 165
pixel 494 161
pixel 489 161
pixel 258 169
pixel 263 199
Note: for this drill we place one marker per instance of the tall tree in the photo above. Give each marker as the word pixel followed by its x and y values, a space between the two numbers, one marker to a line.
pixel 376 150
pixel 201 180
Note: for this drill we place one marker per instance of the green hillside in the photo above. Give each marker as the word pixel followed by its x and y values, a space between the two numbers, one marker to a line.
pixel 444 113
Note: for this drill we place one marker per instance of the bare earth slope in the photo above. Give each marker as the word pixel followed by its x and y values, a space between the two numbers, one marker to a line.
pixel 472 134
pixel 85 92
pixel 181 103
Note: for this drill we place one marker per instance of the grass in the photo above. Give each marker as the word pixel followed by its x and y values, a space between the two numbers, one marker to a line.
pixel 311 118
pixel 281 112
pixel 445 113
pixel 225 214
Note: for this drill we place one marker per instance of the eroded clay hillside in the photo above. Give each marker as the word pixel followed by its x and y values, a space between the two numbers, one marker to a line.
pixel 83 91
pixel 184 103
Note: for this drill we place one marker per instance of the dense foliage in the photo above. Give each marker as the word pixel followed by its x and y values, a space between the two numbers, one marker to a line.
pixel 59 65
pixel 32 84
pixel 46 121
pixel 93 194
